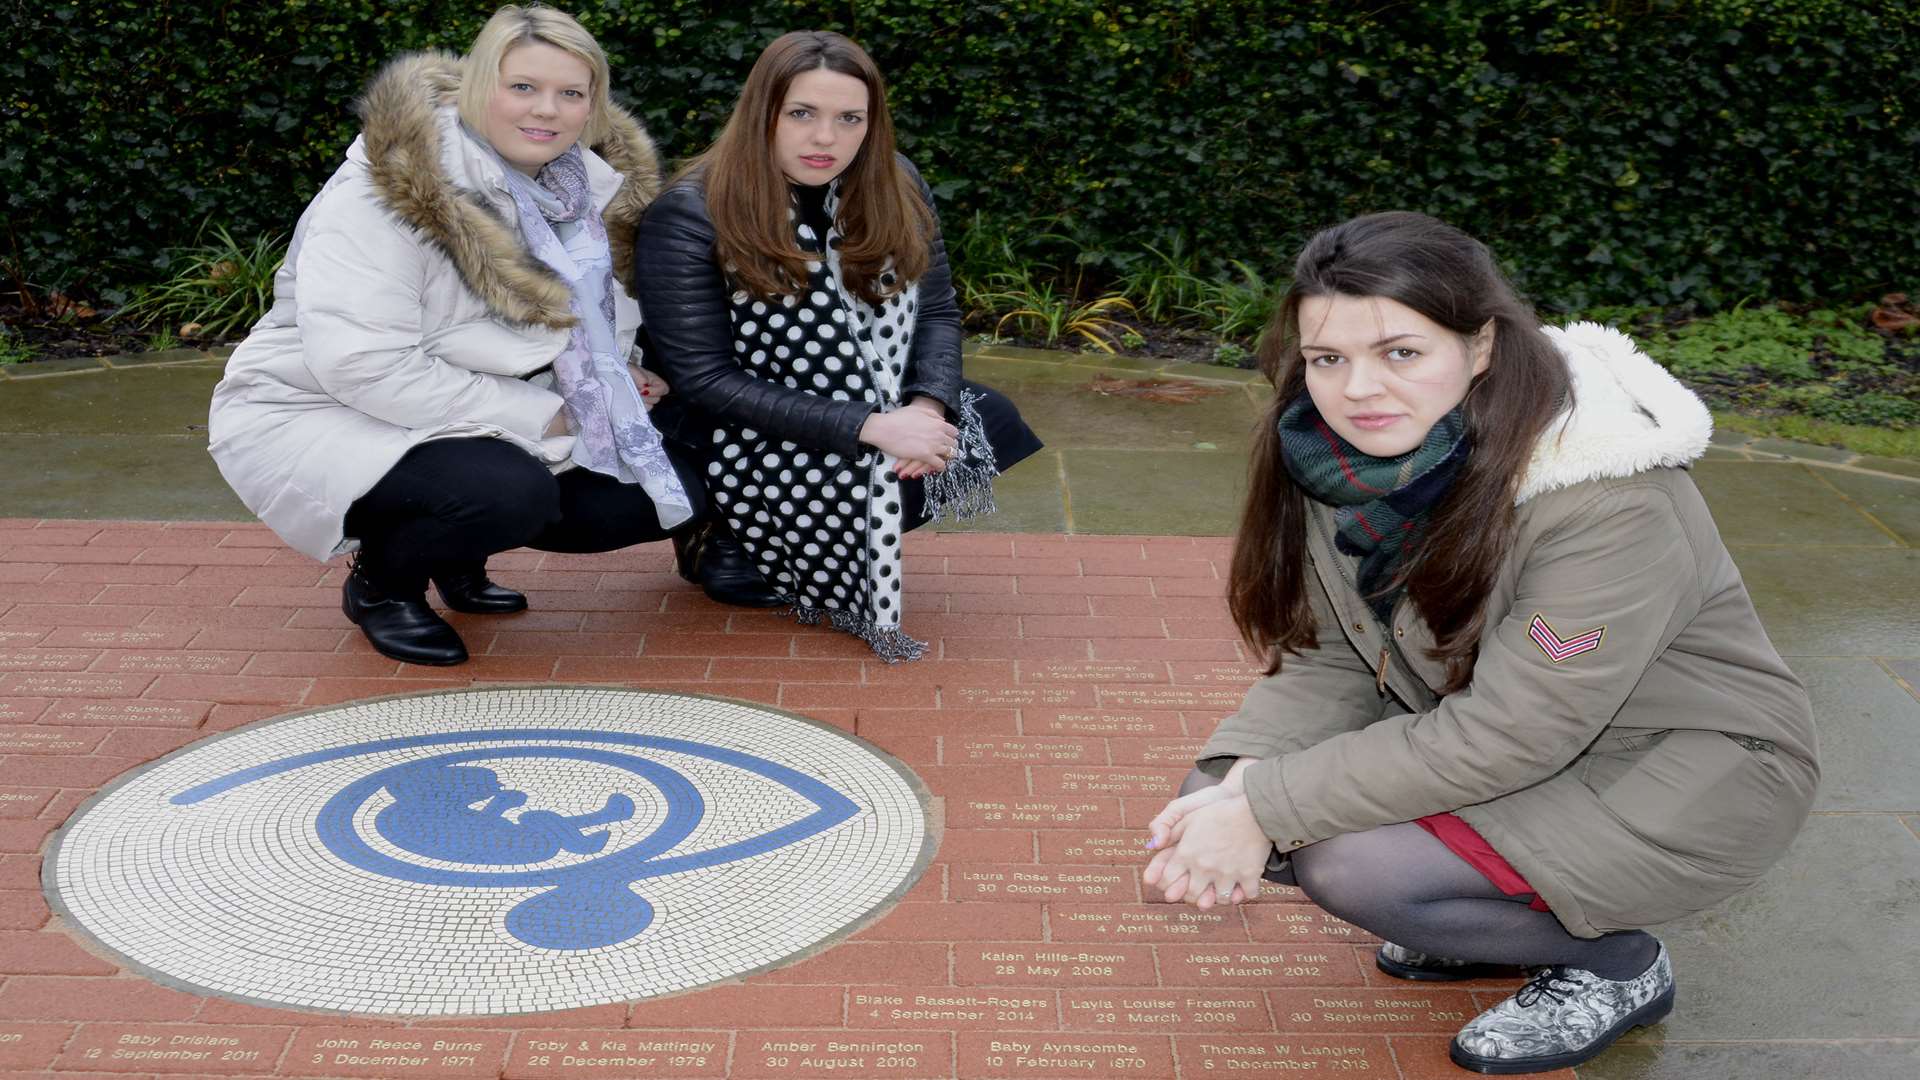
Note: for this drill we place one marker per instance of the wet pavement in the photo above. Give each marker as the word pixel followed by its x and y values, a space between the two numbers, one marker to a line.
pixel 1081 651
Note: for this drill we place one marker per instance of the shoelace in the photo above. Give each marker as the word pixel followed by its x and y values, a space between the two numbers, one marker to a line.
pixel 1552 983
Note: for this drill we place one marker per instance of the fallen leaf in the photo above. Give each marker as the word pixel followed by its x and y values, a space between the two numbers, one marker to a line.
pixel 1894 321
pixel 59 305
pixel 1164 391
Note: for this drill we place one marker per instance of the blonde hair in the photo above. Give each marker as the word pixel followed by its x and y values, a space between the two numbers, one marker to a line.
pixel 513 26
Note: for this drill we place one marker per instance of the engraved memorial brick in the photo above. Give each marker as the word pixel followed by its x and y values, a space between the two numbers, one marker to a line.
pixel 1084 884
pixel 390 1053
pixel 882 1055
pixel 1104 723
pixel 1144 922
pixel 1118 847
pixel 1110 671
pixel 1165 1010
pixel 1303 1055
pixel 1257 965
pixel 600 1054
pixel 1089 781
pixel 174 1049
pixel 1062 965
pixel 1198 698
pixel 1299 923
pixel 1387 1012
pixel 1047 1055
pixel 942 1008
pixel 1016 812
pixel 1024 750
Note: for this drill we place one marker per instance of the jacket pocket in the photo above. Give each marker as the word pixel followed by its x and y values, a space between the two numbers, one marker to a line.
pixel 1703 797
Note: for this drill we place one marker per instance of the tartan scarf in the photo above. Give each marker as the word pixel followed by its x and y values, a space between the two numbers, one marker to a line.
pixel 1380 504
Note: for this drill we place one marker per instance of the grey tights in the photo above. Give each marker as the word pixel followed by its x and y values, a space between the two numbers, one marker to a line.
pixel 1402 884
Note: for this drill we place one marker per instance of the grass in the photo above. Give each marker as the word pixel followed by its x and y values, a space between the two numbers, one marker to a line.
pixel 213 291
pixel 1860 438
pixel 1236 310
pixel 1050 314
pixel 12 349
pixel 1164 286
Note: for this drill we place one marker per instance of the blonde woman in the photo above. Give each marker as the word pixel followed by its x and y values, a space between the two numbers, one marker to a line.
pixel 445 372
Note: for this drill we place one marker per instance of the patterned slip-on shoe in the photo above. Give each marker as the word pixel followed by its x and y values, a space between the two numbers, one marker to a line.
pixel 1563 1017
pixel 1403 963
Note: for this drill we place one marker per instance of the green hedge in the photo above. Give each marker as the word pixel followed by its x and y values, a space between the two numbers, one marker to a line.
pixel 1658 151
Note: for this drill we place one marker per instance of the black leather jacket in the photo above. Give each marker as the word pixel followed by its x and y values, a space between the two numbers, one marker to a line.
pixel 688 337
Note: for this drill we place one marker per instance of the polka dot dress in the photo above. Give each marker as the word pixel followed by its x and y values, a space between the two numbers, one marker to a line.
pixel 824 529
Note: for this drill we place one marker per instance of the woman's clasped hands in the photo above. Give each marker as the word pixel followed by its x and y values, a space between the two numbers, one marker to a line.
pixel 1208 848
pixel 917 434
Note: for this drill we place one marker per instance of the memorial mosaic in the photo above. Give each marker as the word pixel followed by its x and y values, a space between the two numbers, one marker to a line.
pixel 491 851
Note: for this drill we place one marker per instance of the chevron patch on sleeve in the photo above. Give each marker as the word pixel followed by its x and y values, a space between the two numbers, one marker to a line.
pixel 1559 649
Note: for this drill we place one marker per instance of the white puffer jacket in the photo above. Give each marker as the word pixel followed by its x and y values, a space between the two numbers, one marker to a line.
pixel 408 309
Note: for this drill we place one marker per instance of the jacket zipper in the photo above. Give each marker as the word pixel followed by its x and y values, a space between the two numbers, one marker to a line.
pixel 1386 633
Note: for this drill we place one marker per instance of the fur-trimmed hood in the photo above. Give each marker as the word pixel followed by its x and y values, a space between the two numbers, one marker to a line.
pixel 428 170
pixel 1629 415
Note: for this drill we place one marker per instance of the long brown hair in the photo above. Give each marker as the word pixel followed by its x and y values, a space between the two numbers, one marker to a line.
pixel 1452 279
pixel 882 217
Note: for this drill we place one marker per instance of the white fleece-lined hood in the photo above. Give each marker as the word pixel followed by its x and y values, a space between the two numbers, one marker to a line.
pixel 1629 415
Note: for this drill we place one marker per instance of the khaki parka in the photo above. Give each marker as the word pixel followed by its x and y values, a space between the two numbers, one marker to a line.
pixel 1630 740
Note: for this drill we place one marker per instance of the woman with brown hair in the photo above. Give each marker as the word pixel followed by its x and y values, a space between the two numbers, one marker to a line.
pixel 796 294
pixel 1519 707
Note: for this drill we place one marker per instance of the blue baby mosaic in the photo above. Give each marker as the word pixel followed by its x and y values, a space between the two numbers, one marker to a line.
pixel 491 851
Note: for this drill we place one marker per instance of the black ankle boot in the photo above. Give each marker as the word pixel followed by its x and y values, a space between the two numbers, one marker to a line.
pixel 711 558
pixel 686 551
pixel 403 630
pixel 468 589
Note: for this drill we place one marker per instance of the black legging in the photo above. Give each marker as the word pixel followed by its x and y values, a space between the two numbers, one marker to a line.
pixel 450 503
pixel 1402 884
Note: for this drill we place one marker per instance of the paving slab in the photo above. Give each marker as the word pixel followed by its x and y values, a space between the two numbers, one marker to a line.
pixel 1822 601
pixel 1030 499
pixel 133 401
pixel 139 477
pixel 1784 503
pixel 1893 504
pixel 1824 947
pixel 1868 1060
pixel 1143 491
pixel 1869 729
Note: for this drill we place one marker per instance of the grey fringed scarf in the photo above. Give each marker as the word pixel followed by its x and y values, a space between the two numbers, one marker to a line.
pixel 824 529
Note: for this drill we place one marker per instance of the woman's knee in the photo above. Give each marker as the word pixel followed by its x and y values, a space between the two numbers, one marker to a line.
pixel 690 465
pixel 1007 432
pixel 492 487
pixel 1196 780
pixel 1338 875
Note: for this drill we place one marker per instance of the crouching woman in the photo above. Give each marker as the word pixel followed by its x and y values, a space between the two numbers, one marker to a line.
pixel 445 372
pixel 1519 707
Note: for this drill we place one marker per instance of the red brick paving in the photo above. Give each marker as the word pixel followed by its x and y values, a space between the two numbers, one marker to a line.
pixel 1067 682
